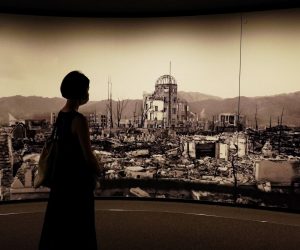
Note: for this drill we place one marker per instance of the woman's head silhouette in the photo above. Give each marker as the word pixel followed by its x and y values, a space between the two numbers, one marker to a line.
pixel 75 86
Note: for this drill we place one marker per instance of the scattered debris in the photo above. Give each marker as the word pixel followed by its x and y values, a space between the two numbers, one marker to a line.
pixel 160 155
pixel 265 187
pixel 139 192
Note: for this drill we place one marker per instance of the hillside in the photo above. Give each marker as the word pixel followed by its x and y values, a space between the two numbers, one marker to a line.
pixel 196 96
pixel 33 107
pixel 267 106
pixel 204 105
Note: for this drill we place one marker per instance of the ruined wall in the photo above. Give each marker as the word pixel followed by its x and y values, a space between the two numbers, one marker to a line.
pixel 222 151
pixel 277 171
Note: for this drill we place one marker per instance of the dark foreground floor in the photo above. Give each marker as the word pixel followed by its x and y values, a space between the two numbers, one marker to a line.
pixel 126 224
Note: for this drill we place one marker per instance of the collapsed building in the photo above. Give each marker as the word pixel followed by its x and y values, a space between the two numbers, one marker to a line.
pixel 229 122
pixel 30 128
pixel 162 108
pixel 218 146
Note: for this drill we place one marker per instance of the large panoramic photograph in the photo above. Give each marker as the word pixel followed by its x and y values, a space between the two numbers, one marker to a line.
pixel 203 108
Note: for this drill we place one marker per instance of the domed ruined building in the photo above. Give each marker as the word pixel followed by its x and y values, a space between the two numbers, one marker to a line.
pixel 162 108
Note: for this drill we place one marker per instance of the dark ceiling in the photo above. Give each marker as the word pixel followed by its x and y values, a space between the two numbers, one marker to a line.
pixel 139 8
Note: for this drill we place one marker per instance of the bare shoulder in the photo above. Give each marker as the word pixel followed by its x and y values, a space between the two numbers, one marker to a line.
pixel 79 123
pixel 80 117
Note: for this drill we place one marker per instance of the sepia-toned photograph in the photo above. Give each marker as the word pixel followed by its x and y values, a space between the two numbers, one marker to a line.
pixel 154 125
pixel 203 108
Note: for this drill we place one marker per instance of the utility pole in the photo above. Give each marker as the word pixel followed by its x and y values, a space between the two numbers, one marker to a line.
pixel 111 111
pixel 240 71
pixel 280 132
pixel 134 115
pixel 256 125
pixel 170 111
pixel 234 157
pixel 281 116
pixel 109 105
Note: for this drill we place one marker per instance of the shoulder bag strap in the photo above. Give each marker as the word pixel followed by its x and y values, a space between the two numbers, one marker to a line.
pixel 54 134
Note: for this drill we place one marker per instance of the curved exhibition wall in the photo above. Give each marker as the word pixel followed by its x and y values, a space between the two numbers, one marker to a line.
pixel 202 108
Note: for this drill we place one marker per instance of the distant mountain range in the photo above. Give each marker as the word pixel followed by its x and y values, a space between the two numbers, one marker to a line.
pixel 268 107
pixel 196 96
pixel 205 106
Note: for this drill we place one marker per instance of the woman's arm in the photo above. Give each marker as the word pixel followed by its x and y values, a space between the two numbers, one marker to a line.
pixel 81 129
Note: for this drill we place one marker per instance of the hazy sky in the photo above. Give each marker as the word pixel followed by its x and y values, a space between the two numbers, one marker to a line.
pixel 37 52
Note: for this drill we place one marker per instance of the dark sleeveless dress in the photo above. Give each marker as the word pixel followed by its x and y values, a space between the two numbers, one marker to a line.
pixel 69 221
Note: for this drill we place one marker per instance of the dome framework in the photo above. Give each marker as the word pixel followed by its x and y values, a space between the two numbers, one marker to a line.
pixel 166 79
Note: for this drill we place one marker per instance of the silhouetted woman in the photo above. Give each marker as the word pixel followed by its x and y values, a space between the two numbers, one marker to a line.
pixel 70 215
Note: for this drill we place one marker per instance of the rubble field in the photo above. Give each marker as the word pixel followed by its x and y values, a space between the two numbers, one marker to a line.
pixel 166 165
